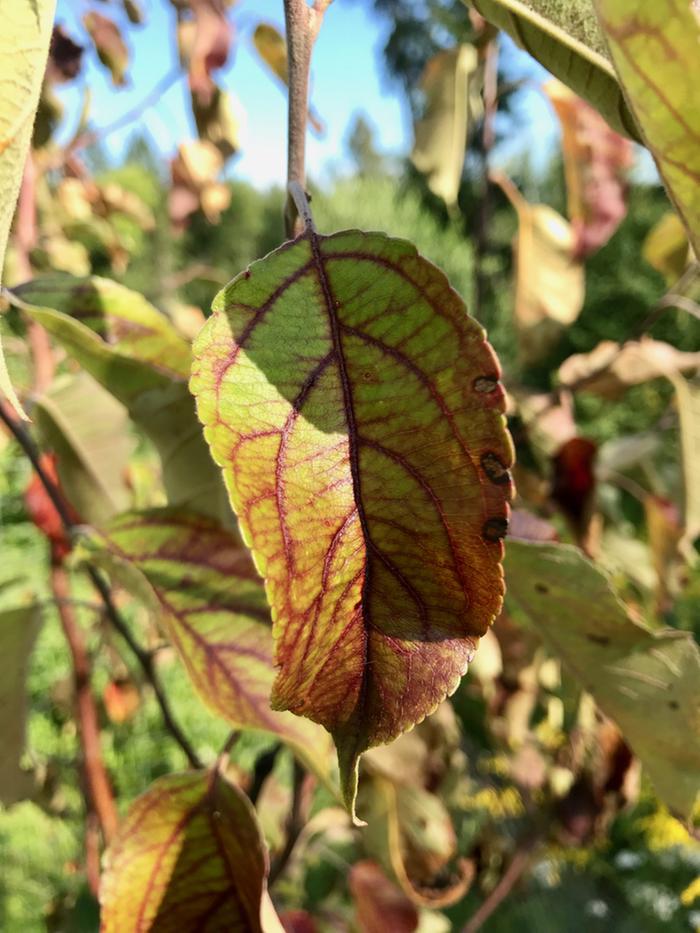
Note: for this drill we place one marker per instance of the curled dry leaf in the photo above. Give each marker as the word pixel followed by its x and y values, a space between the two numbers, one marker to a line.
pixel 451 83
pixel 218 121
pixel 194 172
pixel 549 281
pixel 211 605
pixel 65 57
pixel 596 162
pixel 573 486
pixel 379 904
pixel 610 369
pixel 654 47
pixel 188 855
pixel 210 46
pixel 330 374
pixel 109 44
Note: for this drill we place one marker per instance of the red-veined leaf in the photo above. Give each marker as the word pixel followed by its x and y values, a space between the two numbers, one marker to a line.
pixel 356 411
pixel 212 606
pixel 189 855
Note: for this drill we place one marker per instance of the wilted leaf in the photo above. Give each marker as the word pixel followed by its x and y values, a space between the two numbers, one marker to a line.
pixel 189 855
pixel 666 247
pixel 24 44
pixel 88 430
pixel 109 45
pixel 141 365
pixel 451 83
pixel 611 368
pixel 379 904
pixel 212 606
pixel 596 161
pixel 328 377
pixel 271 46
pixel 210 48
pixel 646 681
pixel 654 47
pixel 563 35
pixel 549 282
pixel 18 630
pixel 134 12
pixel 573 486
pixel 217 123
pixel 688 399
pixel 65 57
pixel 410 833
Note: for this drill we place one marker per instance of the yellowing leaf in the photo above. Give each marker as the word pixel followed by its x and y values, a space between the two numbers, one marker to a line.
pixel 611 368
pixel 18 630
pixel 688 399
pixel 654 47
pixel 451 83
pixel 596 161
pixel 188 856
pixel 356 411
pixel 24 45
pixel 211 604
pixel 644 680
pixel 666 247
pixel 549 281
pixel 563 35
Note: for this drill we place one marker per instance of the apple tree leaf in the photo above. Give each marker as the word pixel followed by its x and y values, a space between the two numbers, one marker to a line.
pixel 24 48
pixel 188 856
pixel 654 47
pixel 644 680
pixel 356 411
pixel 211 604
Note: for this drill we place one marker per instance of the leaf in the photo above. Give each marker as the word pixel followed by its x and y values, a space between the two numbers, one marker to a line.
pixel 563 36
pixel 646 681
pixel 356 412
pixel 194 171
pixel 451 83
pixel 666 247
pixel 65 57
pixel 18 630
pixel 24 45
pixel 210 48
pixel 379 904
pixel 611 368
pixel 549 282
pixel 688 400
pixel 109 45
pixel 654 47
pixel 271 46
pixel 665 533
pixel 88 430
pixel 211 604
pixel 140 360
pixel 596 161
pixel 189 855
pixel 217 122
pixel 410 833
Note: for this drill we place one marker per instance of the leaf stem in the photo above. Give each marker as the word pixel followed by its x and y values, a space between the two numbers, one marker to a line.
pixel 144 658
pixel 302 25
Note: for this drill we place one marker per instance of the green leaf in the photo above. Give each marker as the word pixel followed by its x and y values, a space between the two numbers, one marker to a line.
pixel 189 855
pixel 451 82
pixel 18 630
pixel 356 411
pixel 211 604
pixel 135 353
pixel 24 46
pixel 654 47
pixel 645 680
pixel 564 37
pixel 88 430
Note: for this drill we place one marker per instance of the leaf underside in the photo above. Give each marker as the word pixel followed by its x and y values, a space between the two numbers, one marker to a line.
pixel 356 411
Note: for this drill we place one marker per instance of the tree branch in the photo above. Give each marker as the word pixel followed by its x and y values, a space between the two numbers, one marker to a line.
pixel 143 657
pixel 517 868
pixel 295 824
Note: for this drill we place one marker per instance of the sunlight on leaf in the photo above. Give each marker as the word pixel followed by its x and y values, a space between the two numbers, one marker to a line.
pixel 688 400
pixel 356 411
pixel 666 247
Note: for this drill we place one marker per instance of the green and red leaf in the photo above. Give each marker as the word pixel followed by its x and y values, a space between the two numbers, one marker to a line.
pixel 356 411
pixel 189 855
pixel 211 604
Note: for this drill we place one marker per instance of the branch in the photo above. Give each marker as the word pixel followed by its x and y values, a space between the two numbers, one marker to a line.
pixel 143 657
pixel 519 864
pixel 302 25
pixel 295 824
pixel 483 214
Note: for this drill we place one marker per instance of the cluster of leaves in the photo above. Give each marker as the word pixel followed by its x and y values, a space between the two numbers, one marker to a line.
pixel 353 417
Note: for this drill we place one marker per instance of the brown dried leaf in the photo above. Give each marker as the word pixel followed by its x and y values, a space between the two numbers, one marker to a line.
pixel 379 904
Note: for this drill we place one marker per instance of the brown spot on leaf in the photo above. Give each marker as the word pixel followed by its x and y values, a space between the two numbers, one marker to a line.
pixel 494 469
pixel 495 528
pixel 485 384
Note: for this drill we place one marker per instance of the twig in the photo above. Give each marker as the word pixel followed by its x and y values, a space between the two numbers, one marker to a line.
pixel 143 657
pixel 295 824
pixel 519 864
pixel 99 789
pixel 223 756
pixel 302 24
pixel 263 769
pixel 488 136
